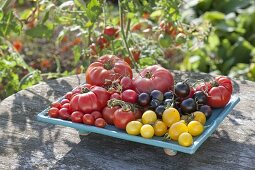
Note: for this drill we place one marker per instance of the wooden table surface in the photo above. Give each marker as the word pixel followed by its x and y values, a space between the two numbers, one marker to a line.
pixel 26 143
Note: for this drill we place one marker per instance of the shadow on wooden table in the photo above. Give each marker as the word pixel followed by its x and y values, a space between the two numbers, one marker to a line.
pixel 98 152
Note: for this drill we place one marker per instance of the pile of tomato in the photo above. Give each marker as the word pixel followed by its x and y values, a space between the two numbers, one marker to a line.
pixel 149 104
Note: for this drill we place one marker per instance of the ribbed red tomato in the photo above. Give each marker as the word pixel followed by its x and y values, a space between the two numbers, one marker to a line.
pixel 220 94
pixel 154 77
pixel 107 69
pixel 90 99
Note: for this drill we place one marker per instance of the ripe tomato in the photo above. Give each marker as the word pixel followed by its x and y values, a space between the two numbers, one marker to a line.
pixel 56 104
pixel 64 114
pixel 149 117
pixel 170 116
pixel 126 83
pixel 108 114
pixel 107 69
pixel 93 99
pixel 100 122
pixel 53 112
pixel 224 81
pixel 102 42
pixel 154 78
pixel 96 114
pixel 176 129
pixel 122 117
pixel 68 95
pixel 68 106
pixel 129 96
pixel 160 128
pixel 185 139
pixel 147 131
pixel 115 96
pixel 200 117
pixel 64 101
pixel 218 97
pixel 204 87
pixel 77 117
pixel 134 127
pixel 195 128
pixel 110 31
pixel 88 119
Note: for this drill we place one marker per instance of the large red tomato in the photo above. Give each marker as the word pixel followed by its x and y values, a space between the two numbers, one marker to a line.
pixel 122 117
pixel 154 77
pixel 90 99
pixel 218 91
pixel 107 69
pixel 218 97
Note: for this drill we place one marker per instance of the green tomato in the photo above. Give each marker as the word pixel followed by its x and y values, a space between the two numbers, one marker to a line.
pixel 165 40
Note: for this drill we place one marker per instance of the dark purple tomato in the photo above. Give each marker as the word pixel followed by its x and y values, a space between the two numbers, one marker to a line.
pixel 200 97
pixel 168 95
pixel 188 106
pixel 154 103
pixel 207 110
pixel 182 89
pixel 156 94
pixel 159 111
pixel 144 99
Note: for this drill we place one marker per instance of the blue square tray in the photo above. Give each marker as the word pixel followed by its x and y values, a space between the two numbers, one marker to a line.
pixel 212 123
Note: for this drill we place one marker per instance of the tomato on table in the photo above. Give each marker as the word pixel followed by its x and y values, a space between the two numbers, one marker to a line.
pixel 107 69
pixel 154 78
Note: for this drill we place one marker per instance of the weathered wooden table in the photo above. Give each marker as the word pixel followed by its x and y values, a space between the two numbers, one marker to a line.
pixel 26 143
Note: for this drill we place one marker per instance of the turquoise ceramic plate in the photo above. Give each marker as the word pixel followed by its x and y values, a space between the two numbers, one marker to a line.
pixel 212 123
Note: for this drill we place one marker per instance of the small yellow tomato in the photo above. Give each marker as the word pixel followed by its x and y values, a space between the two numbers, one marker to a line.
pixel 160 128
pixel 134 127
pixel 149 117
pixel 170 116
pixel 195 128
pixel 185 139
pixel 176 129
pixel 200 116
pixel 147 131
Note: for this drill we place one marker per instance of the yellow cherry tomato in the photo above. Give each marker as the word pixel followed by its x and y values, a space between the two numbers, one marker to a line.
pixel 149 117
pixel 147 131
pixel 200 116
pixel 170 116
pixel 176 129
pixel 195 128
pixel 134 127
pixel 160 128
pixel 185 139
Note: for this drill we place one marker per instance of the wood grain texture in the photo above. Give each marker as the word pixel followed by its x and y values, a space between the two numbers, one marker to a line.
pixel 26 143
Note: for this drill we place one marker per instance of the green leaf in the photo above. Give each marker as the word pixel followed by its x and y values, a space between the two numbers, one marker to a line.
pixel 214 15
pixel 40 31
pixel 93 10
pixel 156 14
pixel 81 4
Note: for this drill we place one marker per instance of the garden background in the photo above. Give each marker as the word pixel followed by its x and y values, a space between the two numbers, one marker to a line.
pixel 47 39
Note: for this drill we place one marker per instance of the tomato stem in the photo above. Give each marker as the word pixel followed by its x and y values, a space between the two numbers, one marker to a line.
pixel 125 38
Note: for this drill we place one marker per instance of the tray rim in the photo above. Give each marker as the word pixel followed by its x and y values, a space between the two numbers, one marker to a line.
pixel 197 142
